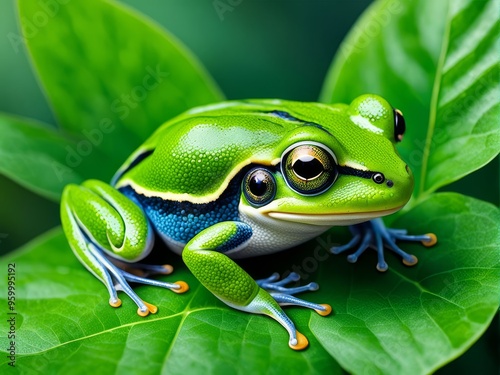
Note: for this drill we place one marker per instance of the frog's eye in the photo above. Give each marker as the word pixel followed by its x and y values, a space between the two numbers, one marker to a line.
pixel 259 187
pixel 309 169
pixel 399 125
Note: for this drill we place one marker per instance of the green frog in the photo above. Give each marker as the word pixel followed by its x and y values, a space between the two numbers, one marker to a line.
pixel 243 179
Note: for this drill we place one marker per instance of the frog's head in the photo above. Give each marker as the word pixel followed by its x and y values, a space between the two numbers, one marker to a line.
pixel 340 166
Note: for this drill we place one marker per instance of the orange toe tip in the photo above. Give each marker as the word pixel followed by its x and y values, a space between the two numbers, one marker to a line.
pixel 142 313
pixel 413 261
pixel 302 342
pixel 184 287
pixel 168 269
pixel 433 240
pixel 115 303
pixel 152 308
pixel 382 269
pixel 326 312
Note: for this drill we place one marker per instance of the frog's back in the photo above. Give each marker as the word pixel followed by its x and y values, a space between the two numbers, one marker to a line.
pixel 195 156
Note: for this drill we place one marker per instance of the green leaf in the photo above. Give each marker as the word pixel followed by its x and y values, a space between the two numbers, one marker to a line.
pixel 64 324
pixel 414 320
pixel 104 66
pixel 43 159
pixel 408 320
pixel 438 62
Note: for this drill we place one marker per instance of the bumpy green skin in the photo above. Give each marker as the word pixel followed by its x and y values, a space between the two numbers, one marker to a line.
pixel 114 222
pixel 216 271
pixel 194 150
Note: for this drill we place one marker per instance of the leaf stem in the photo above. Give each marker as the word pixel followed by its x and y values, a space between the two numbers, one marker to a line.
pixel 434 102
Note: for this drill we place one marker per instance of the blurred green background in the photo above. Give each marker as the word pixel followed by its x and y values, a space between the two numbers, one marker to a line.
pixel 262 48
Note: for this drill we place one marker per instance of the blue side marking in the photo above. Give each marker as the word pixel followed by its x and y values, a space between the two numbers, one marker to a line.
pixel 285 115
pixel 243 234
pixel 181 221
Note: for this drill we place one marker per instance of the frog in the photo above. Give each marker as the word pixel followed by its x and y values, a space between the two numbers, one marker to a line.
pixel 239 179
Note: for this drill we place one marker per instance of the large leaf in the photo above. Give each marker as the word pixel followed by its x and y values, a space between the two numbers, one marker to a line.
pixel 103 65
pixel 438 62
pixel 409 320
pixel 45 160
pixel 414 320
pixel 65 325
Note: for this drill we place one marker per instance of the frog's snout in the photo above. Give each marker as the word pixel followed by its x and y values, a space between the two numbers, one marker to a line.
pixel 399 181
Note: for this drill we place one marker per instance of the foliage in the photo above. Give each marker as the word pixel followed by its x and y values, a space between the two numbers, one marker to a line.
pixel 437 61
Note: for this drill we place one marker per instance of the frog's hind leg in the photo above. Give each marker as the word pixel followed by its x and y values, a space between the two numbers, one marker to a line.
pixel 231 284
pixel 100 222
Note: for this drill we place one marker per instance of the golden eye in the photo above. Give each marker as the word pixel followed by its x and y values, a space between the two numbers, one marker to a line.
pixel 259 187
pixel 309 169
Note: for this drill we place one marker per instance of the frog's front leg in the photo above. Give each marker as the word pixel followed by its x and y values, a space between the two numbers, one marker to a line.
pixel 204 256
pixel 102 224
pixel 376 235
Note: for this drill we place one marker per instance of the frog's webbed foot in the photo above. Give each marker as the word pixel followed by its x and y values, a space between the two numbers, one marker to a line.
pixel 117 279
pixel 285 296
pixel 376 235
pixel 99 221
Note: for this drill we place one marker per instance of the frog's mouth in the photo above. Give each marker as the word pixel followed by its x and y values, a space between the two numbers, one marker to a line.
pixel 330 219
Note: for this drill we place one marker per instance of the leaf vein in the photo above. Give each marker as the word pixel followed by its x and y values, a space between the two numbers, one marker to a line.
pixel 434 101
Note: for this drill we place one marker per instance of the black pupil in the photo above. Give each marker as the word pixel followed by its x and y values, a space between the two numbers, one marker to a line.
pixel 258 184
pixel 399 125
pixel 308 167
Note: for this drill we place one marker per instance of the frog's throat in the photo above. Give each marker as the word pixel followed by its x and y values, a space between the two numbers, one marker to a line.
pixel 330 219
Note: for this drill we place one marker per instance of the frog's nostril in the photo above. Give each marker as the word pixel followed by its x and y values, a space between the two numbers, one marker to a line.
pixel 407 169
